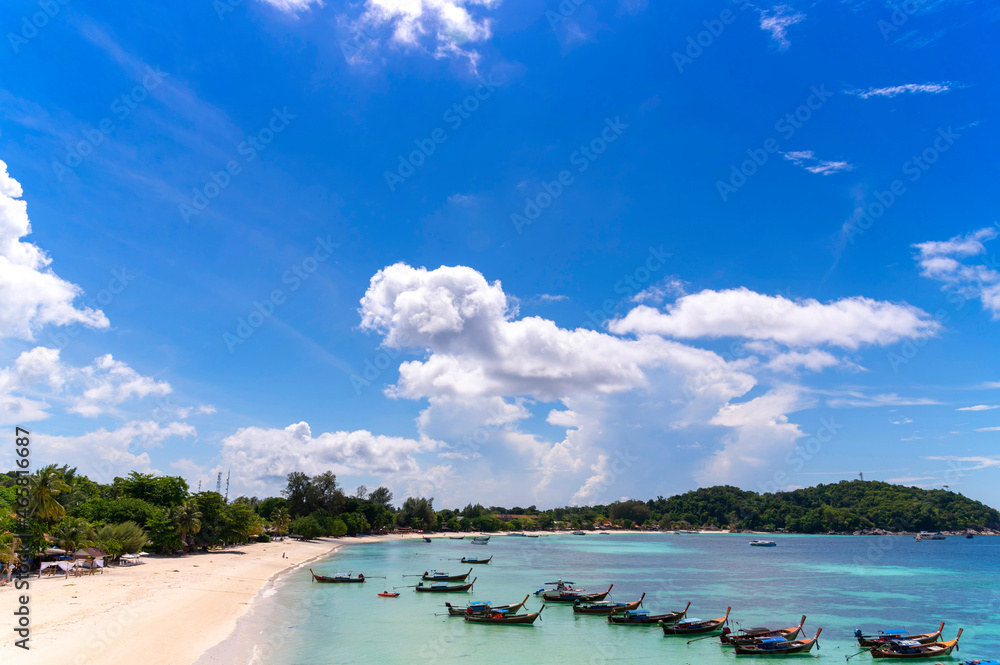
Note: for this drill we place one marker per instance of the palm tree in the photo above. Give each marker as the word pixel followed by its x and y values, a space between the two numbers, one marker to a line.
pixel 43 488
pixel 73 533
pixel 187 519
pixel 280 520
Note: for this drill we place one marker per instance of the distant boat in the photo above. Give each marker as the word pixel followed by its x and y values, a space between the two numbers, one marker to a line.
pixel 390 594
pixel 338 578
pixel 929 535
pixel 426 539
pixel 968 534
pixel 763 543
pixel 474 559
pixel 565 593
pixel 579 533
pixel 457 537
pixel 644 618
pixel 442 587
pixel 441 576
pixel 517 533
pixel 677 533
pixel 504 617
pixel 606 606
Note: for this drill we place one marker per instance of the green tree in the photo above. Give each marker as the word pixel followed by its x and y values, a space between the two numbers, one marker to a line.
pixel 44 488
pixel 72 533
pixel 280 521
pixel 308 527
pixel 187 519
pixel 242 523
pixel 118 539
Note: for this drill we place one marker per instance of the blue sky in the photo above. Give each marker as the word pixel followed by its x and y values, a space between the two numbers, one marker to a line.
pixel 513 252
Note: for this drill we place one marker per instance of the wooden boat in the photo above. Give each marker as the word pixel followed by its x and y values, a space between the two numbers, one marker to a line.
pixel 441 587
pixel 426 539
pixel 777 646
pixel 565 593
pixel 914 649
pixel 517 534
pixel 456 537
pixel 480 539
pixel 435 576
pixel 504 618
pixel 481 606
pixel 751 635
pixel 644 618
pixel 606 606
pixel 692 626
pixel 763 543
pixel 390 594
pixel 898 634
pixel 579 533
pixel 339 578
pixel 470 559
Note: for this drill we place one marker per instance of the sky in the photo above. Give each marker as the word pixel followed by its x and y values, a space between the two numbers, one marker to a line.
pixel 515 253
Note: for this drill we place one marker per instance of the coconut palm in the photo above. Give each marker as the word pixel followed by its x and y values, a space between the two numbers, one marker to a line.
pixel 43 488
pixel 280 520
pixel 187 520
pixel 73 533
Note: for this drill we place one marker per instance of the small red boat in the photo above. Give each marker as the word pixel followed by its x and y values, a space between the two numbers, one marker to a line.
pixel 389 594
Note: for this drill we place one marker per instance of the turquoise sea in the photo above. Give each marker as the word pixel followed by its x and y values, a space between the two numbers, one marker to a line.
pixel 840 582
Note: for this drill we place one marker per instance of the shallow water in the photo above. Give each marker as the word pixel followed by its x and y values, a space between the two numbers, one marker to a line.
pixel 841 583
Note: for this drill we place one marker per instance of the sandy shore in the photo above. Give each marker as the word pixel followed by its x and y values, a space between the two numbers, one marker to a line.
pixel 169 610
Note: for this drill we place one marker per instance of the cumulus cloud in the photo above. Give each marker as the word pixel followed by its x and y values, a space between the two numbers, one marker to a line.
pixel 741 313
pixel 104 454
pixel 810 162
pixel 90 391
pixel 906 88
pixel 777 20
pixel 945 261
pixel 33 296
pixel 265 456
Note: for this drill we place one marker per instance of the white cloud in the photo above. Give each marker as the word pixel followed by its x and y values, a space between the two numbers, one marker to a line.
pixel 979 407
pixel 976 462
pixel 900 421
pixel 808 160
pixel 90 391
pixel 988 429
pixel 813 360
pixel 907 88
pixel 104 454
pixel 943 261
pixel 33 296
pixel 855 398
pixel 293 6
pixel 265 457
pixel 445 28
pixel 777 20
pixel 672 287
pixel 848 323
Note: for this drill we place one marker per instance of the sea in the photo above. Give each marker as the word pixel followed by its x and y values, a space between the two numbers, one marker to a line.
pixel 841 583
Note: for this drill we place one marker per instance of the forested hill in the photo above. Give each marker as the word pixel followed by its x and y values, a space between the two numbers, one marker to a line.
pixel 843 507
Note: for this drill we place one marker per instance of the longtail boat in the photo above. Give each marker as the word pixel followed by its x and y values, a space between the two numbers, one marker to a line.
pixel 777 646
pixel 644 618
pixel 441 587
pixel 914 649
pixel 751 635
pixel 503 617
pixel 476 559
pixel 437 576
pixel 480 539
pixel 566 593
pixel 898 634
pixel 606 606
pixel 338 578
pixel 456 537
pixel 481 606
pixel 426 539
pixel 691 626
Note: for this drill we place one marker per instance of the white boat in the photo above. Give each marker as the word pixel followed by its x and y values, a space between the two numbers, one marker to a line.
pixel 929 535
pixel 763 543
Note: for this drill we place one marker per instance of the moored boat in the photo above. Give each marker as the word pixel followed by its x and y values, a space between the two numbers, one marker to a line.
pixel 579 533
pixel 339 578
pixel 763 543
pixel 566 593
pixel 751 635
pixel 389 594
pixel 929 535
pixel 606 606
pixel 644 618
pixel 440 576
pixel 473 559
pixel 502 617
pixel 777 646
pixel 481 606
pixel 456 537
pixel 444 587
pixel 426 539
pixel 692 626
pixel 898 634
pixel 914 649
